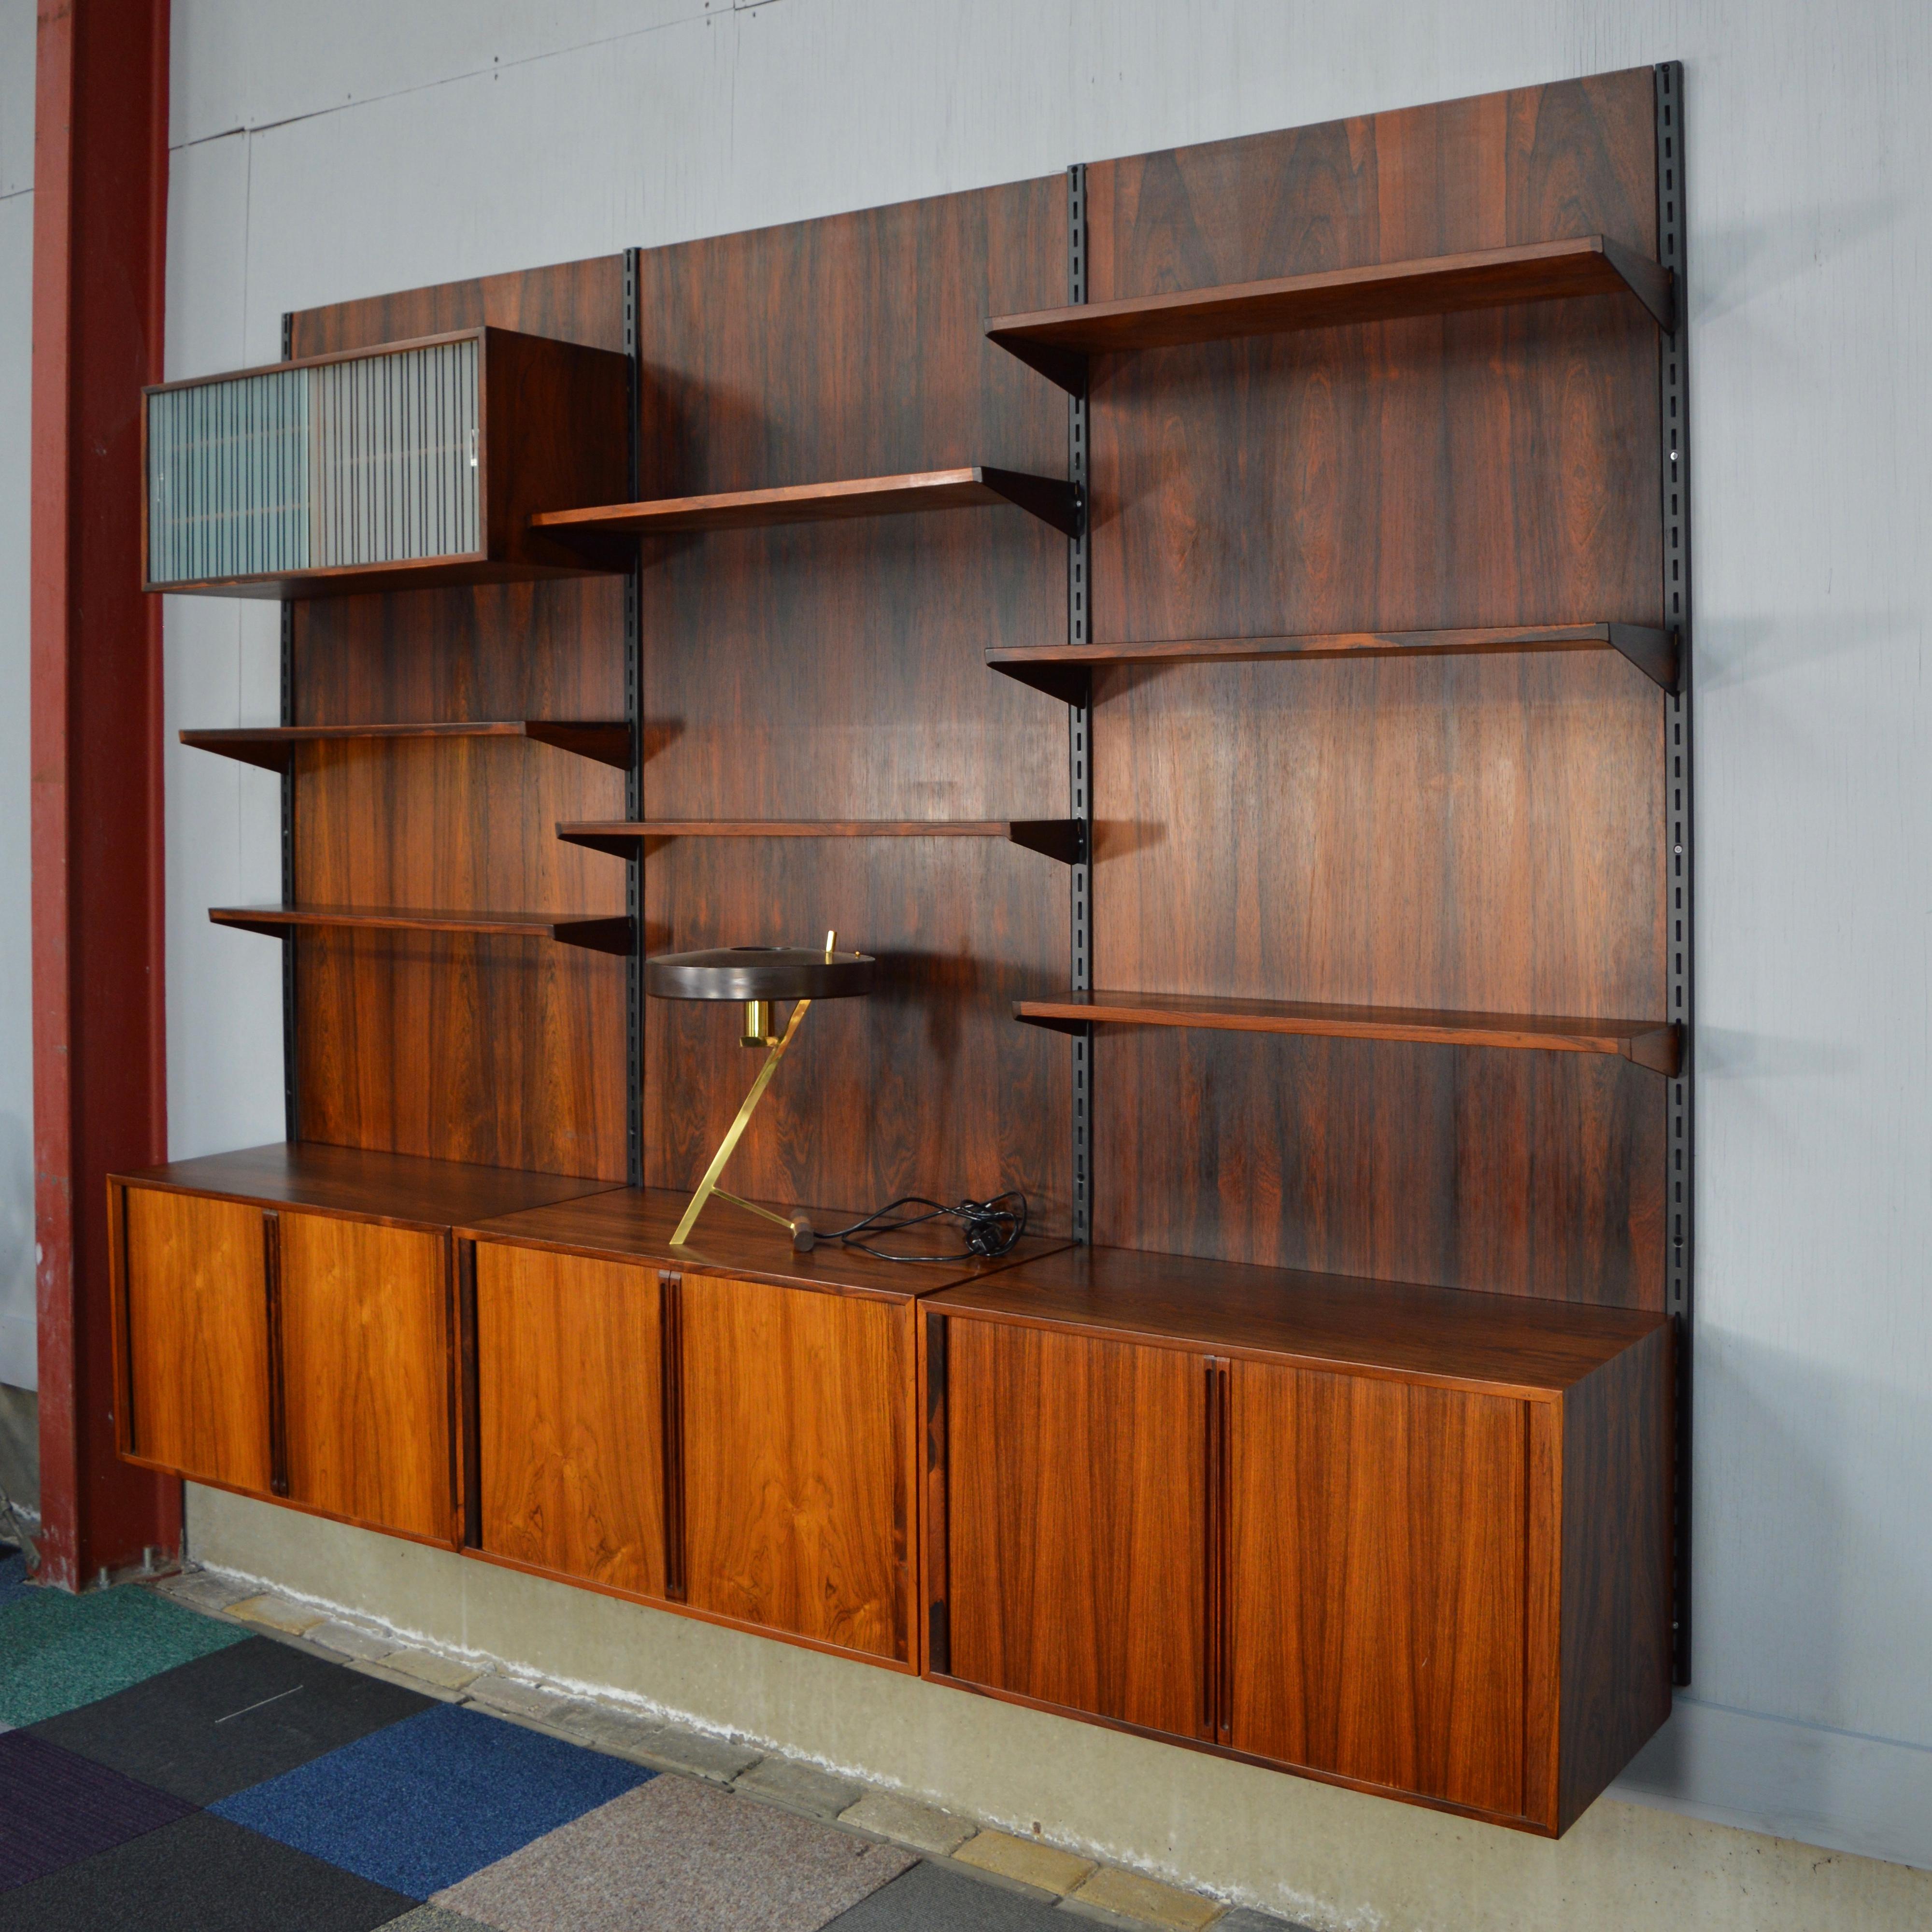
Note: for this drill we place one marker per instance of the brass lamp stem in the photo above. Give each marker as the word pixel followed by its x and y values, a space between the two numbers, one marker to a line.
pixel 735 1133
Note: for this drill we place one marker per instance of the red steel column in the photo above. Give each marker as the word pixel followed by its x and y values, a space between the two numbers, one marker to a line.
pixel 101 175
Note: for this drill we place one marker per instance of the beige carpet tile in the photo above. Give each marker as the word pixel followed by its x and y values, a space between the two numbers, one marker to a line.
pixel 676 1855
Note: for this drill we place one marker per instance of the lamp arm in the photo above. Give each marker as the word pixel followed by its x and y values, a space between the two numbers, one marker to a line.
pixel 735 1133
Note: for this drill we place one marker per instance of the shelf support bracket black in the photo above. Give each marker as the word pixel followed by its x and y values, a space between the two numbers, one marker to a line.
pixel 1079 716
pixel 1674 454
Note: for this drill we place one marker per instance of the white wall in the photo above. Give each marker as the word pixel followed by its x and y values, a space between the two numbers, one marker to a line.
pixel 18 1364
pixel 326 153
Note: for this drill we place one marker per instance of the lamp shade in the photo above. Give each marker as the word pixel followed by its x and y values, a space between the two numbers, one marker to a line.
pixel 759 973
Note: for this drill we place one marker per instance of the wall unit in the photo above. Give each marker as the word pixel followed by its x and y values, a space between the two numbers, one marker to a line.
pixel 1331 1417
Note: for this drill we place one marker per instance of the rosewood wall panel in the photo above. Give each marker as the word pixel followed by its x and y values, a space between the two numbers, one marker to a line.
pixel 798 1473
pixel 569 1416
pixel 501 1051
pixel 835 671
pixel 1077 1513
pixel 368 1371
pixel 1482 833
pixel 197 1332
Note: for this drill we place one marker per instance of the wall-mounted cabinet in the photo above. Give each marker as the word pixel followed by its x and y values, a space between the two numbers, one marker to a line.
pixel 286 1325
pixel 1401 1538
pixel 417 463
pixel 728 1428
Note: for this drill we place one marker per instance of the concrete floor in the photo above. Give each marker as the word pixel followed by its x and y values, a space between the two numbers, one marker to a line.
pixel 1333 1859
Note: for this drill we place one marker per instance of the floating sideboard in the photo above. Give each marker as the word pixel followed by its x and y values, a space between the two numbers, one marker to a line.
pixel 1216 627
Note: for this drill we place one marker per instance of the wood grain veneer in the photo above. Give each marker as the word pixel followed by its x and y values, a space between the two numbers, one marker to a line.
pixel 1467 833
pixel 1051 499
pixel 1059 341
pixel 833 671
pixel 197 1317
pixel 1431 1557
pixel 1647 1043
pixel 1065 839
pixel 273 746
pixel 368 1341
pixel 570 1428
pixel 635 1224
pixel 1076 1507
pixel 503 1053
pixel 1376 1566
pixel 1063 671
pixel 798 1462
pixel 608 934
pixel 1534 1348
pixel 392 1190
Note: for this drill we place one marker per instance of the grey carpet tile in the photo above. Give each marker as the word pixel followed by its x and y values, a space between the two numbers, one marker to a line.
pixel 929 1898
pixel 200 1874
pixel 434 1918
pixel 676 1855
pixel 206 1730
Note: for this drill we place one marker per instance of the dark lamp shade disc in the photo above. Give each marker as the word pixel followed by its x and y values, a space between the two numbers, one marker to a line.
pixel 759 973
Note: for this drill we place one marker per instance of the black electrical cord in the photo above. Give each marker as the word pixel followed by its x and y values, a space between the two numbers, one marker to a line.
pixel 993 1227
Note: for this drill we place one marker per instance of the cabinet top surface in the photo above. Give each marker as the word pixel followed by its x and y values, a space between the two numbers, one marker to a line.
pixel 1445 1335
pixel 635 1224
pixel 404 1189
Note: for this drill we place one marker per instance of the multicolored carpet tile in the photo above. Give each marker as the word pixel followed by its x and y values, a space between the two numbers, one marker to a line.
pixel 166 1771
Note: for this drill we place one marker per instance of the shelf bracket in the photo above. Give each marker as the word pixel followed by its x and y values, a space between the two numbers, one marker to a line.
pixel 1065 839
pixel 1071 683
pixel 1062 505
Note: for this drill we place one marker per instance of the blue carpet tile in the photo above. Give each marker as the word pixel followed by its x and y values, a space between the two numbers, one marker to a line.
pixel 423 1803
pixel 56 1809
pixel 208 1728
pixel 200 1874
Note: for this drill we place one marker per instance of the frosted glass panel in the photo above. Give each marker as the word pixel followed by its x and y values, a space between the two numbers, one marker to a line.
pixel 365 462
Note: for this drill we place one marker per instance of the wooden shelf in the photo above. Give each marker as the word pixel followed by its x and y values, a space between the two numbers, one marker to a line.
pixel 1058 341
pixel 1046 497
pixel 1502 1344
pixel 1062 839
pixel 271 746
pixel 1064 670
pixel 400 1189
pixel 1647 1042
pixel 601 932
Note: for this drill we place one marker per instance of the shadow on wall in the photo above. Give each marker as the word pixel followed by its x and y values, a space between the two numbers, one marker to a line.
pixel 1812 1571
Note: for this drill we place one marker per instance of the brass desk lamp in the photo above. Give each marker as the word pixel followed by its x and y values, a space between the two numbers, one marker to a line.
pixel 756 977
